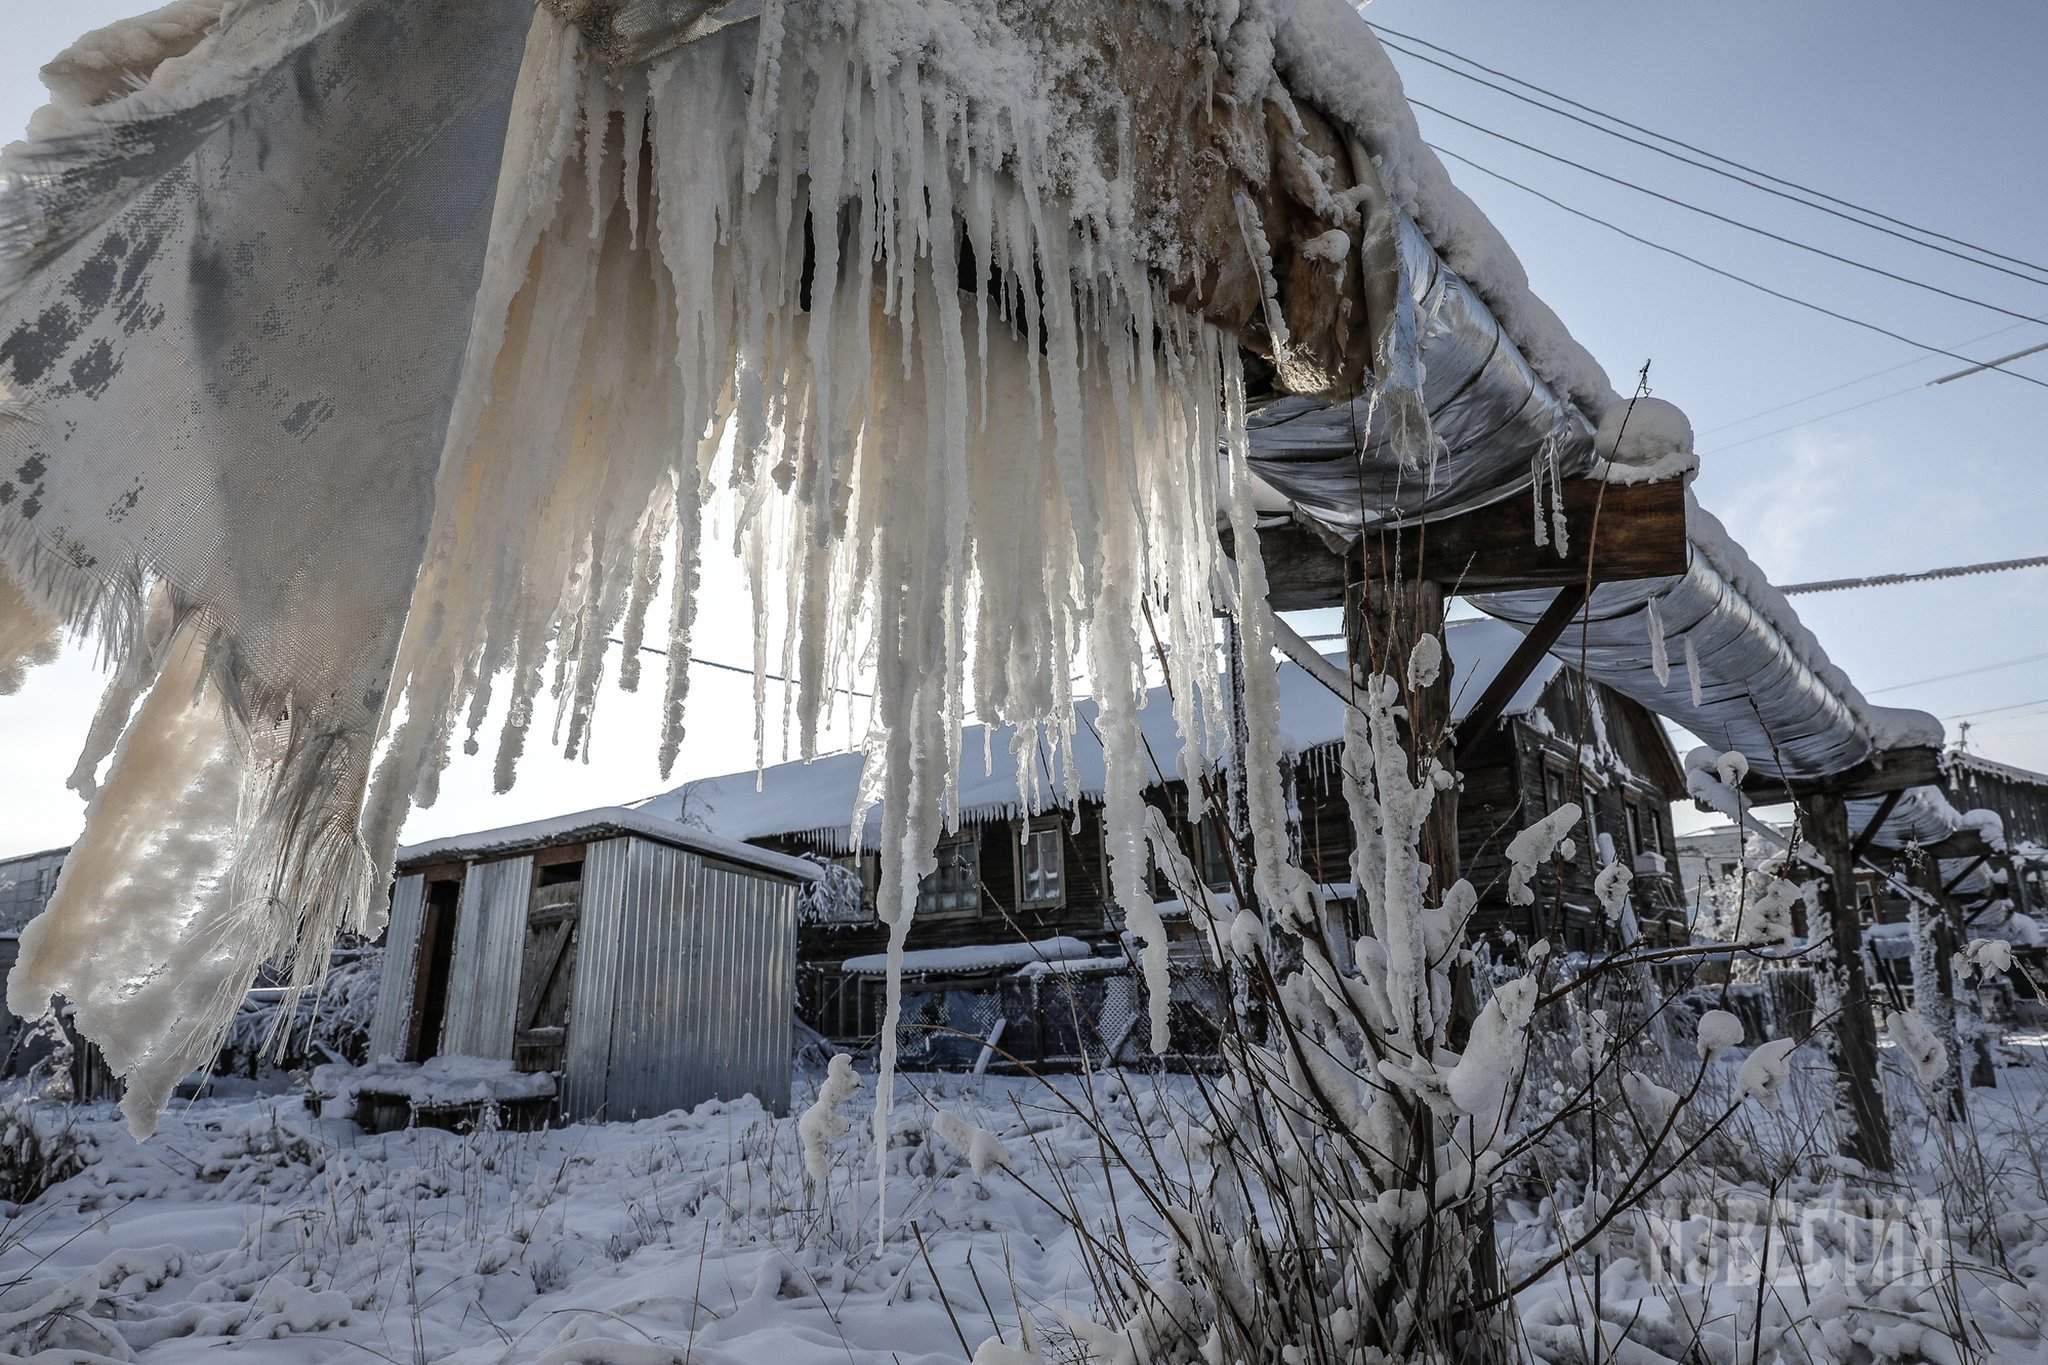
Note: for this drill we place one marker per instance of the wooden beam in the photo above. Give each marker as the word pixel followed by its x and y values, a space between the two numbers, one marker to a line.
pixel 1893 770
pixel 1479 721
pixel 1493 548
pixel 1949 887
pixel 1884 810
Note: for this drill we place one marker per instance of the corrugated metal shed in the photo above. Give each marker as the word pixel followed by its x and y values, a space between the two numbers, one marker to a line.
pixel 652 967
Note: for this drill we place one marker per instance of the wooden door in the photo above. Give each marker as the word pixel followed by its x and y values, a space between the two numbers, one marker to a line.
pixel 547 977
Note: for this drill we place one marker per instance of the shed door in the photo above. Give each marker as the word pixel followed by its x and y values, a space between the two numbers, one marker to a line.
pixel 547 976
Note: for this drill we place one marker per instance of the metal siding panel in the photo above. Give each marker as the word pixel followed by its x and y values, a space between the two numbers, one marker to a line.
pixel 781 965
pixel 622 1082
pixel 694 992
pixel 588 1057
pixel 401 963
pixel 687 975
pixel 715 1046
pixel 483 980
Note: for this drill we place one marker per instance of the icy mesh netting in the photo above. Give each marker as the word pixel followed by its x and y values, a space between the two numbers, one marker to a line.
pixel 236 264
pixel 810 293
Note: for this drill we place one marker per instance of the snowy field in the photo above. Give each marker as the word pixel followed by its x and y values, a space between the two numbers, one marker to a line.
pixel 248 1226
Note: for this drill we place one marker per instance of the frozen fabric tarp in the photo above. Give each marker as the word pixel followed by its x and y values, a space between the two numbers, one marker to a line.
pixel 1496 420
pixel 218 343
pixel 1763 684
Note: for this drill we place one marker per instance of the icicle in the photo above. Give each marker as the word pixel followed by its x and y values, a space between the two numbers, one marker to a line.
pixel 1660 656
pixel 1560 529
pixel 1692 672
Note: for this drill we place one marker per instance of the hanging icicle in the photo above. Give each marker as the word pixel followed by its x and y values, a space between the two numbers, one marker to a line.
pixel 1660 654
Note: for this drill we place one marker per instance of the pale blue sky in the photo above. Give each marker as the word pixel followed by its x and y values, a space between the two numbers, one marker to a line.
pixel 1929 113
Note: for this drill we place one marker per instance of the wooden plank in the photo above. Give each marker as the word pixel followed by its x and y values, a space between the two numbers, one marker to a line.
pixel 1479 722
pixel 1884 810
pixel 1894 770
pixel 1493 548
pixel 1949 887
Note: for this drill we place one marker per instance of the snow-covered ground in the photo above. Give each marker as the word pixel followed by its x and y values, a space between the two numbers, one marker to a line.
pixel 248 1225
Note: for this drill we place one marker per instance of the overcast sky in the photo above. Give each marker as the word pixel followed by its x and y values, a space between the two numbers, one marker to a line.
pixel 1925 113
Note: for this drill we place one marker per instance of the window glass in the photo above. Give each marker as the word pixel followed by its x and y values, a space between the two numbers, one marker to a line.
pixel 1215 855
pixel 1044 872
pixel 955 887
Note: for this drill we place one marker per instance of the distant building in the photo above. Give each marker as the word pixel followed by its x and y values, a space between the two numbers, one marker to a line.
pixel 2019 797
pixel 26 882
pixel 1020 904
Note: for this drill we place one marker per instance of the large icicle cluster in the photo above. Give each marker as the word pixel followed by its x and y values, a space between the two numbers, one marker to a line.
pixel 698 290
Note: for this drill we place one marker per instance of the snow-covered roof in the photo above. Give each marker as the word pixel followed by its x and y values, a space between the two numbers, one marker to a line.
pixel 1977 763
pixel 971 958
pixel 816 799
pixel 599 823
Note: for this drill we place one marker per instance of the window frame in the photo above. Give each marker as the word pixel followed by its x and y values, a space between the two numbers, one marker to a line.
pixel 970 898
pixel 1028 845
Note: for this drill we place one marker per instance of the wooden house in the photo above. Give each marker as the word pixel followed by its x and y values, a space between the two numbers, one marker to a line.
pixel 2019 797
pixel 1019 904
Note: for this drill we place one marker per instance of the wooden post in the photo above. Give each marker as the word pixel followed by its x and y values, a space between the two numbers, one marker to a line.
pixel 1382 621
pixel 1949 936
pixel 1852 1038
pixel 1927 874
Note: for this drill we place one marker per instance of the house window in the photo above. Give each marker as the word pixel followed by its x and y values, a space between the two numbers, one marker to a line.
pixel 1042 868
pixel 954 889
pixel 1652 832
pixel 1635 832
pixel 1553 788
pixel 1215 855
pixel 868 867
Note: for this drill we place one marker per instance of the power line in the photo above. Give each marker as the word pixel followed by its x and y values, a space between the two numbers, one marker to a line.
pixel 1860 379
pixel 1725 160
pixel 1960 673
pixel 1924 576
pixel 696 661
pixel 1779 237
pixel 1993 710
pixel 1809 421
pixel 1715 170
pixel 1822 309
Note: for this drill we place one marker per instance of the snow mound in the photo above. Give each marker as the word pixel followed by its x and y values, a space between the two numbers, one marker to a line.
pixel 1646 440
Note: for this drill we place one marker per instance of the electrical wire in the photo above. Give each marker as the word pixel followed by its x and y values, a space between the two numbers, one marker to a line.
pixel 1993 710
pixel 1962 673
pixel 1690 147
pixel 1779 237
pixel 1819 417
pixel 699 662
pixel 1860 379
pixel 1923 576
pixel 1822 309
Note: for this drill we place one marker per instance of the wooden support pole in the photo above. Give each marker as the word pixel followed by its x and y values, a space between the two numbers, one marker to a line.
pixel 1972 1051
pixel 1852 1037
pixel 1884 811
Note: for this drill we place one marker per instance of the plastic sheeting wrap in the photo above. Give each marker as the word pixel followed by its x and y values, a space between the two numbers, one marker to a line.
pixel 1491 413
pixel 1764 685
